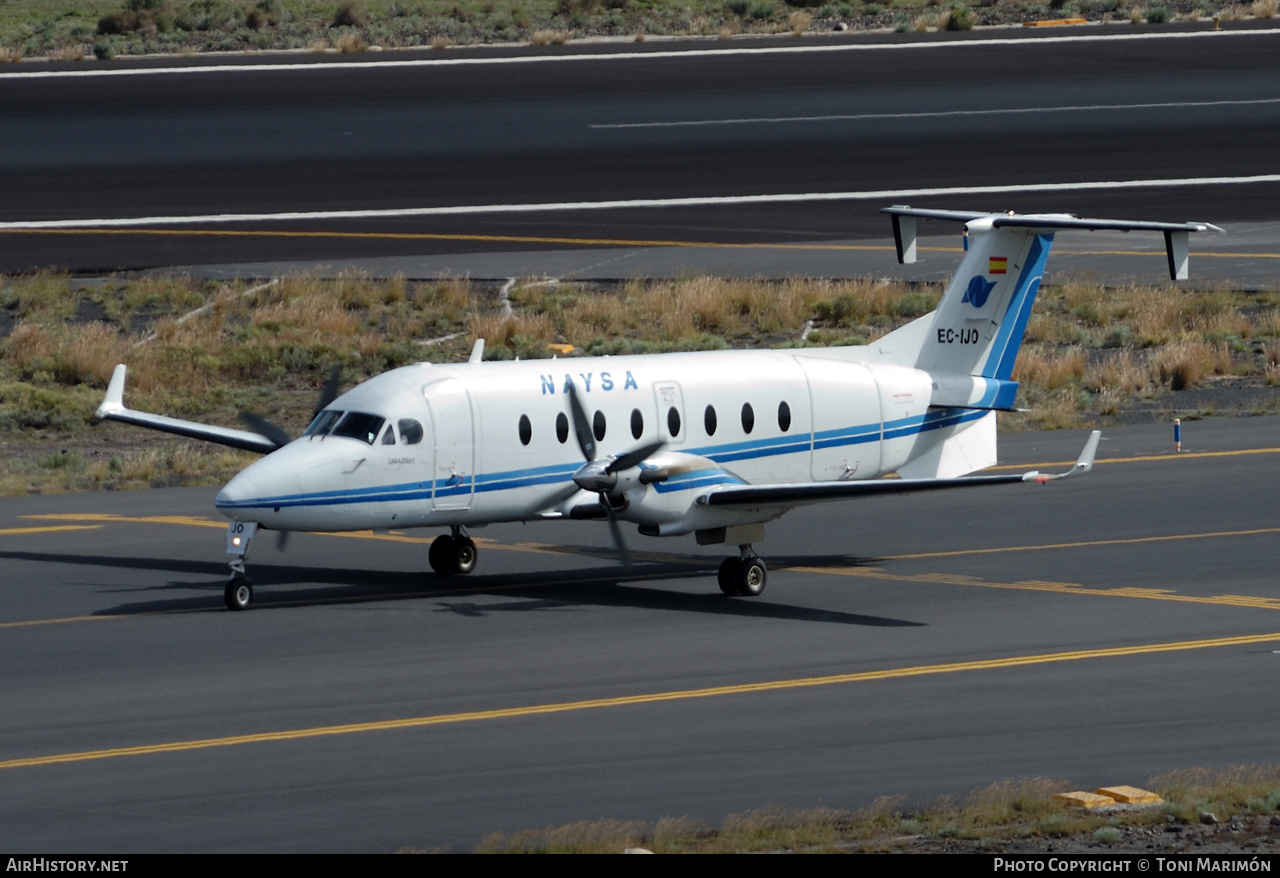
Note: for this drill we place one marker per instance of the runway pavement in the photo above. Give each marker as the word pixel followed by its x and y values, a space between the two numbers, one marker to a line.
pixel 1099 630
pixel 779 142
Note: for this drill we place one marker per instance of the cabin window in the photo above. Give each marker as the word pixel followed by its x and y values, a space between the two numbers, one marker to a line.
pixel 322 423
pixel 673 421
pixel 389 437
pixel 359 425
pixel 597 426
pixel 784 416
pixel 526 430
pixel 562 428
pixel 709 420
pixel 410 431
pixel 637 423
pixel 748 418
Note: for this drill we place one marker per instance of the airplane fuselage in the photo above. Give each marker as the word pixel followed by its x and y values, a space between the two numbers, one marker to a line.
pixel 486 442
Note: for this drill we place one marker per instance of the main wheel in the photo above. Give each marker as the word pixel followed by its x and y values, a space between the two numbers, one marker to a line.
pixel 464 555
pixel 728 576
pixel 238 594
pixel 440 556
pixel 751 577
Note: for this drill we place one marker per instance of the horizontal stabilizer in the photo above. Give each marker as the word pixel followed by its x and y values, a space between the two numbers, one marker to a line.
pixel 1175 234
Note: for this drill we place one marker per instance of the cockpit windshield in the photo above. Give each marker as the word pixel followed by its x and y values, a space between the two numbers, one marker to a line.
pixel 322 423
pixel 353 425
pixel 358 425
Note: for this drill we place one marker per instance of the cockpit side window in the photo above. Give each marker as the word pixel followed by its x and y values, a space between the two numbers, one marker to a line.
pixel 322 423
pixel 359 425
pixel 389 437
pixel 410 431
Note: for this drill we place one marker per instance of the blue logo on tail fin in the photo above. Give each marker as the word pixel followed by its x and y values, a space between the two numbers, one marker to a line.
pixel 979 289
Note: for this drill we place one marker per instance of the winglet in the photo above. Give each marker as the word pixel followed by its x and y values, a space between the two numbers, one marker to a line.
pixel 114 400
pixel 477 351
pixel 1084 463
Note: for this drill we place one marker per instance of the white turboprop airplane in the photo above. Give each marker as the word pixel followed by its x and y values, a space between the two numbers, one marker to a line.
pixel 713 443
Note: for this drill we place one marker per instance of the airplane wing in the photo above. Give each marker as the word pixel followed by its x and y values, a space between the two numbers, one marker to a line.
pixel 786 495
pixel 113 409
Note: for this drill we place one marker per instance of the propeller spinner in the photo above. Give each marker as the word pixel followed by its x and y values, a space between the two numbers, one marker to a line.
pixel 600 475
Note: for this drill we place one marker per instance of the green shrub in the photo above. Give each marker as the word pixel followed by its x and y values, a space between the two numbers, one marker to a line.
pixel 960 18
pixel 349 14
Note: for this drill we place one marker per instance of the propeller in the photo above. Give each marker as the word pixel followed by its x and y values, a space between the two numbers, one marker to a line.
pixel 279 435
pixel 600 475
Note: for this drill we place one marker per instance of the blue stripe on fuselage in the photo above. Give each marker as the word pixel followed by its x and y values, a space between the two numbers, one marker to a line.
pixel 560 473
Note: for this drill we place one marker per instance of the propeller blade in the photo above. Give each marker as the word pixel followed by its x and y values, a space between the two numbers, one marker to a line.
pixel 282 539
pixel 631 458
pixel 330 391
pixel 586 441
pixel 557 497
pixel 264 427
pixel 616 532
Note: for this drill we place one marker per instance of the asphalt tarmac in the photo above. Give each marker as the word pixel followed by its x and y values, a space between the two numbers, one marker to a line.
pixel 1100 630
pixel 755 142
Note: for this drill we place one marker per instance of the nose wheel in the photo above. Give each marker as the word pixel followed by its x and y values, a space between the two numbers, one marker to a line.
pixel 745 576
pixel 453 553
pixel 238 593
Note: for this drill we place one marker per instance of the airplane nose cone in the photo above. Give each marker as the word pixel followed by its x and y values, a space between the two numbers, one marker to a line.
pixel 236 494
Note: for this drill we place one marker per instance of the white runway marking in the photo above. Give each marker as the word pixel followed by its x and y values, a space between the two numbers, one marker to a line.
pixel 865 117
pixel 890 195
pixel 614 56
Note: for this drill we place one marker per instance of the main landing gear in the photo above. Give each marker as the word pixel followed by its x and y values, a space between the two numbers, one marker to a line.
pixel 744 575
pixel 453 553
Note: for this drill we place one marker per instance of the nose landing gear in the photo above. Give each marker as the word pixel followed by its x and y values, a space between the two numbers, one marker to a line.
pixel 238 594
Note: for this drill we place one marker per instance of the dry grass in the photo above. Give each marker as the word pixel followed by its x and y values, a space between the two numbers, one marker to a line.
pixel 548 37
pixel 204 350
pixel 10 54
pixel 350 42
pixel 1121 372
pixel 799 22
pixel 1264 8
pixel 1187 363
pixel 1050 369
pixel 586 837
pixel 90 355
pixel 1021 812
pixel 730 30
pixel 74 52
pixel 440 41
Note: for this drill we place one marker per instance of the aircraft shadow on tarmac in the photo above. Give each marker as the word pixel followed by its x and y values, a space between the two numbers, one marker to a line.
pixel 554 590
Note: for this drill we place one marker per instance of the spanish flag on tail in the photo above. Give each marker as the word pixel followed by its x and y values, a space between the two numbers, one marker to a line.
pixel 998 265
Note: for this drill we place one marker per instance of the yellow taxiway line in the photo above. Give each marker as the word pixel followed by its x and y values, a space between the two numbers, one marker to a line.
pixel 1151 594
pixel 645 698
pixel 1043 547
pixel 1151 458
pixel 14 531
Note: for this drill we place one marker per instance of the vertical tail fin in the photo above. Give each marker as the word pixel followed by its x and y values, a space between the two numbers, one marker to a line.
pixel 978 326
